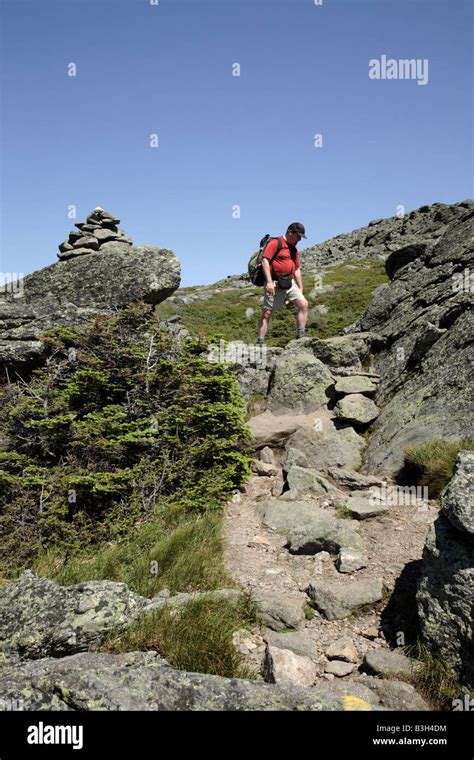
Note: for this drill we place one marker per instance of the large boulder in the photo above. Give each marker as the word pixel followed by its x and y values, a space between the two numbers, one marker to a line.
pixel 323 533
pixel 425 322
pixel 300 383
pixel 251 364
pixel 357 409
pixel 324 449
pixel 73 291
pixel 445 595
pixel 40 619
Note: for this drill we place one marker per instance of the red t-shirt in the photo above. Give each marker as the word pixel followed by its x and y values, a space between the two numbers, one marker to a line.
pixel 282 263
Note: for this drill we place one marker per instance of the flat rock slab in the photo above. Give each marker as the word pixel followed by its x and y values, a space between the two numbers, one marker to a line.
pixel 337 602
pixel 355 384
pixel 297 641
pixel 324 533
pixel 398 695
pixel 141 681
pixel 339 668
pixel 357 409
pixel 391 695
pixel 324 449
pixel 343 649
pixel 286 516
pixel 388 662
pixel 273 430
pixel 361 508
pixel 278 612
pixel 353 479
pixel 304 481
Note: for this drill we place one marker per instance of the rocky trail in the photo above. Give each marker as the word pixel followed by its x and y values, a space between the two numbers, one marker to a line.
pixel 340 648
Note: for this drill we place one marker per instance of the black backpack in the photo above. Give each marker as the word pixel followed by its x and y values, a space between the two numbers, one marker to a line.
pixel 255 264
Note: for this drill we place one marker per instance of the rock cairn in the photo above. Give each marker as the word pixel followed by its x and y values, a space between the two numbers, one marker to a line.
pixel 99 233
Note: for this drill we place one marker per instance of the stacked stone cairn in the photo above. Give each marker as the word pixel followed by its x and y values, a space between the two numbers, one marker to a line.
pixel 98 234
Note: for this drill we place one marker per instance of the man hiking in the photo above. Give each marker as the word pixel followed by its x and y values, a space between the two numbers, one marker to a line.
pixel 284 283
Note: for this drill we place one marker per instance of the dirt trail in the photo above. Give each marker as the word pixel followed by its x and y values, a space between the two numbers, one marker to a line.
pixel 257 559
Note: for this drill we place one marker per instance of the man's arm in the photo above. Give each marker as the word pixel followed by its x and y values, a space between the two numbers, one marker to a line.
pixel 298 278
pixel 266 268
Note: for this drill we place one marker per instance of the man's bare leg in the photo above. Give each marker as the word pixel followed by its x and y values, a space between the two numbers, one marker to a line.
pixel 302 315
pixel 263 324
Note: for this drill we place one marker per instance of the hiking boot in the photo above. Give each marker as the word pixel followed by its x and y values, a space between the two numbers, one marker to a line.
pixel 301 332
pixel 260 342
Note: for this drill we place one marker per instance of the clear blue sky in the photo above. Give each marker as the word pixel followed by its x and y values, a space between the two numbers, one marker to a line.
pixel 226 140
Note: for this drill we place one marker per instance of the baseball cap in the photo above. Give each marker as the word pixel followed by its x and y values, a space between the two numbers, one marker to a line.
pixel 298 228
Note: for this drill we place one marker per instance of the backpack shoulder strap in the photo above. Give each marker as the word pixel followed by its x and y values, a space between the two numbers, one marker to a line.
pixel 278 248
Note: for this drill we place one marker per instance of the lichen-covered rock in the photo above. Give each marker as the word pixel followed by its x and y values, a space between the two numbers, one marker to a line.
pixel 387 662
pixel 425 322
pixel 355 384
pixel 337 602
pixel 390 234
pixel 74 291
pixel 324 449
pixel 305 481
pixel 300 383
pixel 142 681
pixel 357 409
pixel 458 497
pixel 278 612
pixel 40 619
pixel 323 533
pixel 445 595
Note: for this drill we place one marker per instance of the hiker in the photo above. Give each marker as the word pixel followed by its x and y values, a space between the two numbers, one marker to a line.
pixel 284 283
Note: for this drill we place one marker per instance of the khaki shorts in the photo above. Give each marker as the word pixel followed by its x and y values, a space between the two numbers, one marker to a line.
pixel 281 297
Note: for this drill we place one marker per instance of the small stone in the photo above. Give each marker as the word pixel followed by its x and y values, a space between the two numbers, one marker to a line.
pixel 259 541
pixel 355 384
pixel 349 560
pixel 86 242
pixel 103 235
pixel 75 252
pixel 267 455
pixel 361 508
pixel 263 468
pixel 370 633
pixel 322 557
pixel 339 668
pixel 282 666
pixel 343 649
